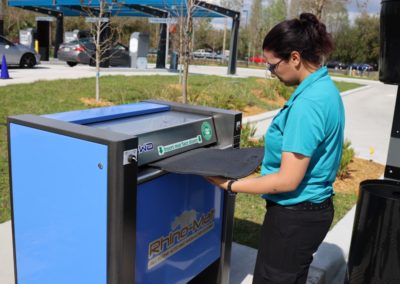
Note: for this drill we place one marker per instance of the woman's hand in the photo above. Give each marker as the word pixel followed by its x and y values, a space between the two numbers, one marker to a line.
pixel 218 181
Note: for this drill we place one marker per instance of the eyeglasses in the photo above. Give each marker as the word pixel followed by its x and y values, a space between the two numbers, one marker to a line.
pixel 271 67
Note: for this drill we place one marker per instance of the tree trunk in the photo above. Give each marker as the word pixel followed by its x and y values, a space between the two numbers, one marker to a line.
pixel 98 55
pixel 224 42
pixel 181 51
pixel 320 7
pixel 187 49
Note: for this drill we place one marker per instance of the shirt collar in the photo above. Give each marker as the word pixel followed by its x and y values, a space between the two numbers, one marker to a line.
pixel 321 72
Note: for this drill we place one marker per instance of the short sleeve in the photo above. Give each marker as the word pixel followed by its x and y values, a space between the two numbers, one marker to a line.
pixel 304 128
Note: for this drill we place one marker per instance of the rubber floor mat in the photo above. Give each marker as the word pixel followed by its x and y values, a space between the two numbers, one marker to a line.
pixel 229 163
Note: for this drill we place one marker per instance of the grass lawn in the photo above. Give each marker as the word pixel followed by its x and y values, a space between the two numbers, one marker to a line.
pixel 64 95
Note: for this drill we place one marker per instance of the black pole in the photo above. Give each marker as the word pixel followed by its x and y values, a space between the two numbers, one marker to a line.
pixel 161 47
pixel 392 169
pixel 234 44
pixel 59 34
pixel 2 27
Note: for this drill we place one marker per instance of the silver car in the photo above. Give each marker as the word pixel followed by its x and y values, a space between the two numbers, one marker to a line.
pixel 18 54
pixel 83 51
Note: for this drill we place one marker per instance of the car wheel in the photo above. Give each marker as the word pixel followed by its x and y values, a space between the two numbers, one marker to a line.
pixel 71 64
pixel 27 60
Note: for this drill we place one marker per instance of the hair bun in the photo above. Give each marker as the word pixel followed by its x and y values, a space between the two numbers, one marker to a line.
pixel 309 18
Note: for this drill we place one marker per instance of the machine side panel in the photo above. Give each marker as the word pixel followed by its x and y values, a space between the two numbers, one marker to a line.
pixel 179 222
pixel 59 193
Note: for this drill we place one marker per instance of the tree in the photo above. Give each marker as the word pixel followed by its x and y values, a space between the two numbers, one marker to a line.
pixel 337 19
pixel 367 39
pixel 321 8
pixel 358 43
pixel 274 13
pixel 256 25
pixel 186 46
pixel 203 33
pixel 16 19
pixel 103 35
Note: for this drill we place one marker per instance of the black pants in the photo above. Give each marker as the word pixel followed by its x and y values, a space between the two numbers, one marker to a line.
pixel 289 237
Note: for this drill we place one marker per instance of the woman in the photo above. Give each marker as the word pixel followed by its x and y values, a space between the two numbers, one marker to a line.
pixel 303 148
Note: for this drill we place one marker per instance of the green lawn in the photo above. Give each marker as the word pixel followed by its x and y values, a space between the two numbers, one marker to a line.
pixel 64 95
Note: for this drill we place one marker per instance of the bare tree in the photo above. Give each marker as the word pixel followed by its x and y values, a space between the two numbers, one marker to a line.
pixel 103 34
pixel 362 5
pixel 256 25
pixel 321 8
pixel 187 46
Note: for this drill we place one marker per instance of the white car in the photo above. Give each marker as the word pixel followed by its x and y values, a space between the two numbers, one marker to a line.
pixel 18 54
pixel 201 53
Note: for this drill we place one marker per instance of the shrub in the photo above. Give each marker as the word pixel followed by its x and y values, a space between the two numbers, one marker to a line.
pixel 246 138
pixel 347 157
pixel 275 88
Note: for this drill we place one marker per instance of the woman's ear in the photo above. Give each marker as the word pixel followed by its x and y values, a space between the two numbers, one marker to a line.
pixel 295 58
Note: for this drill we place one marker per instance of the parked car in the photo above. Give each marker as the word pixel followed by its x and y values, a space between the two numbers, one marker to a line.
pixel 258 59
pixel 336 65
pixel 362 67
pixel 18 54
pixel 83 51
pixel 201 53
pixel 366 67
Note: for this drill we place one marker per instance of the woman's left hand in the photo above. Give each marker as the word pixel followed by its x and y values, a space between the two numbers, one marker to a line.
pixel 218 181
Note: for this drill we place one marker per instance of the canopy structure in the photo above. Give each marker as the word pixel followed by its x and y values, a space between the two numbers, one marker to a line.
pixel 134 8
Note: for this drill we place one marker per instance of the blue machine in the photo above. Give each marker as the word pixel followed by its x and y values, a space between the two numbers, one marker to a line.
pixel 87 208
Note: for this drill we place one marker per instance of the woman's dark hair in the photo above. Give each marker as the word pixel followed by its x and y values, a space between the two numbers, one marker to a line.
pixel 306 35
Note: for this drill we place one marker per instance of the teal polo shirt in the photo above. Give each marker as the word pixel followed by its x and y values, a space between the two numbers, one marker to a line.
pixel 311 123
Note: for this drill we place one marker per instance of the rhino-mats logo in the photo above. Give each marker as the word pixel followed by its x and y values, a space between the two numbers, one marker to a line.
pixel 185 229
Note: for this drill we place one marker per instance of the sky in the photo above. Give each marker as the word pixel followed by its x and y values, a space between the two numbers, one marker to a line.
pixel 373 7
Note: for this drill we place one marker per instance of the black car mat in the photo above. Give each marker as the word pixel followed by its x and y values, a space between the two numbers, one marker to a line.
pixel 229 163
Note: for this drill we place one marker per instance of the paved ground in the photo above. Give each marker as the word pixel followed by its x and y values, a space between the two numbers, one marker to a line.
pixel 369 113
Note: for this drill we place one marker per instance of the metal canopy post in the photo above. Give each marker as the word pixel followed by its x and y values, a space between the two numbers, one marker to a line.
pixel 235 31
pixel 233 48
pixel 59 34
pixel 161 54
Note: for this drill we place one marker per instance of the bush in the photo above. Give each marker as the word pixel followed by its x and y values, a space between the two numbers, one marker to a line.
pixel 347 157
pixel 275 88
pixel 246 138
